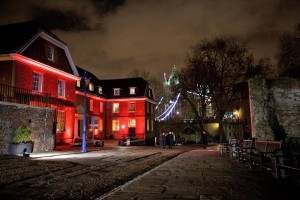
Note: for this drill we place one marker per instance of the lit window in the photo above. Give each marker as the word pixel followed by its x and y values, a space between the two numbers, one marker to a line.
pixel 116 91
pixel 37 82
pixel 101 107
pixel 78 82
pixel 91 104
pixel 131 123
pixel 115 107
pixel 91 87
pixel 100 90
pixel 132 90
pixel 61 88
pixel 61 120
pixel 101 125
pixel 148 124
pixel 115 125
pixel 131 107
pixel 51 54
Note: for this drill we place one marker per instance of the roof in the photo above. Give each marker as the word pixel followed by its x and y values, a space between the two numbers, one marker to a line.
pixel 124 84
pixel 15 36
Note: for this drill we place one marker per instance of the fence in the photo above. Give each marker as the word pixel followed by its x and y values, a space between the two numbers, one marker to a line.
pixel 23 96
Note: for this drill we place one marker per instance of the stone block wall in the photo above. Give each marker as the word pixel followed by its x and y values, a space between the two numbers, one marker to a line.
pixel 39 119
pixel 274 99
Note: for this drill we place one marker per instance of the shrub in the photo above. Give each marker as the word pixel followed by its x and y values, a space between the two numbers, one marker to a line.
pixel 22 135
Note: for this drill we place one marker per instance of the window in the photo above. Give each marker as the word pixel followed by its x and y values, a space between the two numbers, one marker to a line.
pixel 78 82
pixel 61 88
pixel 50 54
pixel 100 90
pixel 148 124
pixel 131 107
pixel 94 123
pixel 115 107
pixel 147 105
pixel 131 123
pixel 91 104
pixel 37 82
pixel 132 90
pixel 101 107
pixel 115 125
pixel 116 91
pixel 61 120
pixel 100 125
pixel 91 87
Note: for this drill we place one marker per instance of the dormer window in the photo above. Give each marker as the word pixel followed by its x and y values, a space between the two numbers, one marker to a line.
pixel 50 54
pixel 100 90
pixel 116 91
pixel 132 90
pixel 78 83
pixel 91 87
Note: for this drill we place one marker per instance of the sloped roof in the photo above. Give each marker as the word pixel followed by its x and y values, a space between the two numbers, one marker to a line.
pixel 13 37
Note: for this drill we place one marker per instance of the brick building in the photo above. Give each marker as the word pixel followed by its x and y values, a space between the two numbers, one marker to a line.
pixel 36 68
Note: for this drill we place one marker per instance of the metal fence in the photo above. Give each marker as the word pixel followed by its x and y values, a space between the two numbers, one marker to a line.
pixel 23 96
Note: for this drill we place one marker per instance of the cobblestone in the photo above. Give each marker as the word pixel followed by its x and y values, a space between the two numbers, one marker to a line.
pixel 205 174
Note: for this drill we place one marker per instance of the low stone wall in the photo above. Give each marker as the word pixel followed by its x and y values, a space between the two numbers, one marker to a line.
pixel 271 100
pixel 40 121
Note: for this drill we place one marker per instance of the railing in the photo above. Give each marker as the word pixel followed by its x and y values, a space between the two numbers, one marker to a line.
pixel 29 97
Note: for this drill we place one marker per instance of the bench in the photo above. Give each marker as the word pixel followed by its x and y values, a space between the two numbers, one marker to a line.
pixel 244 148
pixel 287 160
pixel 262 153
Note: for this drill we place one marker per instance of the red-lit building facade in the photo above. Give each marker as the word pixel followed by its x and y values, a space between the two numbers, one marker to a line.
pixel 33 58
pixel 116 109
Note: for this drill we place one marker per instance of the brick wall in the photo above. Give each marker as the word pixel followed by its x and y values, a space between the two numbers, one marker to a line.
pixel 274 98
pixel 40 121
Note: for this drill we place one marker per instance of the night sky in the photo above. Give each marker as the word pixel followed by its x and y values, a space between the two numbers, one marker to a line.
pixel 112 37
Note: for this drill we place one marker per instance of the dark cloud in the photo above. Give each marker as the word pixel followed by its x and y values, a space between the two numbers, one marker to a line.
pixel 111 37
pixel 61 20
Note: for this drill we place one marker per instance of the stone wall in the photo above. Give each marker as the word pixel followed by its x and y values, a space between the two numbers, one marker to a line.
pixel 40 121
pixel 272 100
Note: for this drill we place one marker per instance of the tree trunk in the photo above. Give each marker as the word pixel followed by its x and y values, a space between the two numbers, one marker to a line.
pixel 221 132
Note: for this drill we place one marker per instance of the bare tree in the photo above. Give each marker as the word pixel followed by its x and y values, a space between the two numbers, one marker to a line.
pixel 153 81
pixel 289 54
pixel 213 69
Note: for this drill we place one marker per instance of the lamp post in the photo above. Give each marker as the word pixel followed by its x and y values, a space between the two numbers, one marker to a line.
pixel 85 81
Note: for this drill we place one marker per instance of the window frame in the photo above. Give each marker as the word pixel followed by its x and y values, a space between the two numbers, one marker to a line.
pixel 51 53
pixel 115 125
pixel 61 90
pixel 130 124
pixel 115 107
pixel 61 121
pixel 116 91
pixel 132 90
pixel 37 82
pixel 130 107
pixel 91 105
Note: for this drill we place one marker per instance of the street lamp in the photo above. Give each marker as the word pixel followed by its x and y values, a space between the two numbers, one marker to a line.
pixel 85 80
pixel 123 136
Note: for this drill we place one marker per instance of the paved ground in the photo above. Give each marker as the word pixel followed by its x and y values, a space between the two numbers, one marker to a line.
pixel 205 174
pixel 196 174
